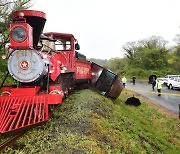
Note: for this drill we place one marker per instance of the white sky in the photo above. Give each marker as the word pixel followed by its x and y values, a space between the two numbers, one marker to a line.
pixel 102 27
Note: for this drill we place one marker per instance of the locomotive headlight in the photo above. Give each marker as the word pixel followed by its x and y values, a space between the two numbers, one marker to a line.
pixel 19 34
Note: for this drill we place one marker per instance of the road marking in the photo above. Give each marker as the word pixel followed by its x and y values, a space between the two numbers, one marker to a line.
pixel 151 92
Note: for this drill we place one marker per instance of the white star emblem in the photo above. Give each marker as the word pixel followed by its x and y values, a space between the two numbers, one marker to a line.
pixel 24 65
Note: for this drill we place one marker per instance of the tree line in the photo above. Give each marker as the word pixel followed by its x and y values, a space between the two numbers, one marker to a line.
pixel 148 56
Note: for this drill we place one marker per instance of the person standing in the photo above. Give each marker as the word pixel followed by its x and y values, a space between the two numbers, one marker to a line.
pixel 134 80
pixel 158 87
pixel 124 80
pixel 153 83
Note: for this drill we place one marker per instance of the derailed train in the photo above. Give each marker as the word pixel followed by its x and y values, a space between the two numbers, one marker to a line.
pixel 47 67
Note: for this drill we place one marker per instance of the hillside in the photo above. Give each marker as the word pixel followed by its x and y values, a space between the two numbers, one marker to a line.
pixel 87 122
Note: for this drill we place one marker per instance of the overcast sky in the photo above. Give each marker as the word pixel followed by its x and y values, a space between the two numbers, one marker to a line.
pixel 102 27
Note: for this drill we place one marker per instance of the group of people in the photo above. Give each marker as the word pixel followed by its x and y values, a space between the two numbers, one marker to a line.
pixel 124 80
pixel 155 84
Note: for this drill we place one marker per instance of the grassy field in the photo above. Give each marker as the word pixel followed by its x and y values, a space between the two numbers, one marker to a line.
pixel 87 122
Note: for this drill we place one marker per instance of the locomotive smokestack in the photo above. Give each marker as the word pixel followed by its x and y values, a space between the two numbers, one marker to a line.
pixel 36 20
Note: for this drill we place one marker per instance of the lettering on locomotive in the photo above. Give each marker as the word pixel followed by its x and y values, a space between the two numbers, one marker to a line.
pixel 82 70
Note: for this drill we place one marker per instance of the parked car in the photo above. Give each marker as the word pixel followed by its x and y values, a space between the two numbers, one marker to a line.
pixel 174 83
pixel 169 82
pixel 165 79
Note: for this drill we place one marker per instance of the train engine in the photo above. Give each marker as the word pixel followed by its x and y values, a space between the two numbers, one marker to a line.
pixel 47 67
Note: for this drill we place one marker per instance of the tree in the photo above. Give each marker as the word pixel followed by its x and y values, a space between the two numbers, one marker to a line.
pixel 154 42
pixel 130 48
pixel 177 39
pixel 175 56
pixel 150 53
pixel 153 59
pixel 115 64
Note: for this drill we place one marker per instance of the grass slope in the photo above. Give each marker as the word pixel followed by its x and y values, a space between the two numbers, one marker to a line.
pixel 90 123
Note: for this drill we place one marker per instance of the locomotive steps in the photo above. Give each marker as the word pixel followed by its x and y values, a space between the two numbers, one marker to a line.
pixel 87 122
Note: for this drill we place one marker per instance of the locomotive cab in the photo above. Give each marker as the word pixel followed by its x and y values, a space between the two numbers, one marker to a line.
pixel 64 45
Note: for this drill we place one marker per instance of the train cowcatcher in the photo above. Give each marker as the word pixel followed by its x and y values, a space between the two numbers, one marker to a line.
pixel 46 66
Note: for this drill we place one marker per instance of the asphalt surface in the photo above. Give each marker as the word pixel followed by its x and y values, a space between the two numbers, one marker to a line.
pixel 169 99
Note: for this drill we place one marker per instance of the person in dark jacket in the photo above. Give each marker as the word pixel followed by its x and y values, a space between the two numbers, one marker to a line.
pixel 134 80
pixel 153 83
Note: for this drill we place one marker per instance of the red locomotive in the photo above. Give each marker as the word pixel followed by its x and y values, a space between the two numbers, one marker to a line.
pixel 47 66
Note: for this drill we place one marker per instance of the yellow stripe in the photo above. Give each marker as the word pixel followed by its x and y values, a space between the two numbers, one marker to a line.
pixel 150 92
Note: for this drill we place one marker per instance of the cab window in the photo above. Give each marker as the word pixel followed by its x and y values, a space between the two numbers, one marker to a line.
pixel 63 44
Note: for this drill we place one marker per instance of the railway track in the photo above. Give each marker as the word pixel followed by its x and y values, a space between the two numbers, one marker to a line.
pixel 10 141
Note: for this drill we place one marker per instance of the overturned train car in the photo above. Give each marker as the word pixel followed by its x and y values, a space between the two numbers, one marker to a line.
pixel 47 67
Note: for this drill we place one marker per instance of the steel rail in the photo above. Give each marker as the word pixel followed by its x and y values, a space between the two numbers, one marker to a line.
pixel 11 140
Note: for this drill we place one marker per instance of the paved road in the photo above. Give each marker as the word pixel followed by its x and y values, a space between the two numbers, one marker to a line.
pixel 169 98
